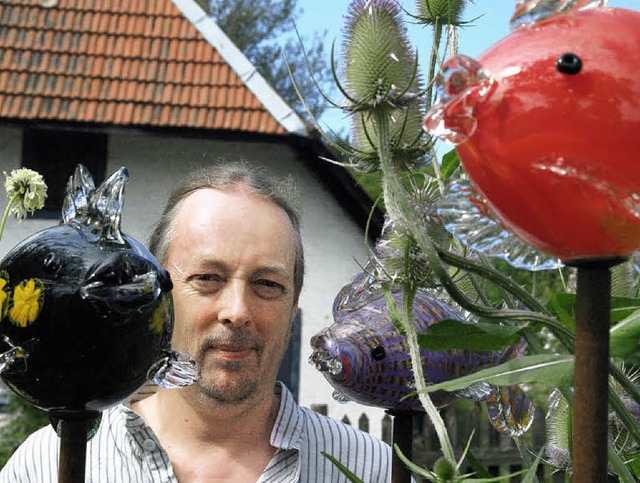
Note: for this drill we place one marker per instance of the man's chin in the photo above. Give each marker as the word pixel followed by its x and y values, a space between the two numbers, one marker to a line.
pixel 228 392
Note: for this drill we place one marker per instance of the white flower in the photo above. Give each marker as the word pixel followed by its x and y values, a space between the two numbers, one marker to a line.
pixel 30 188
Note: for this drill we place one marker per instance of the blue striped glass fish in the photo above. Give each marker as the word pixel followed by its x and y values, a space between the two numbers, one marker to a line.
pixel 366 358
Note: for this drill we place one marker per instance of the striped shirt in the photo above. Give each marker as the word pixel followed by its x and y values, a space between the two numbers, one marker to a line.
pixel 125 450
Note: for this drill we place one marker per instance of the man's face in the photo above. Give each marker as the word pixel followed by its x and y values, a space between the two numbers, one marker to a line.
pixel 232 262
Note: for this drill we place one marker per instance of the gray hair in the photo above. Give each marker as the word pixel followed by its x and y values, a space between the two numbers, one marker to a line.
pixel 229 176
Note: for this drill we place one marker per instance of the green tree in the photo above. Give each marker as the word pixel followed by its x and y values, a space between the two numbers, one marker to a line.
pixel 264 31
pixel 24 420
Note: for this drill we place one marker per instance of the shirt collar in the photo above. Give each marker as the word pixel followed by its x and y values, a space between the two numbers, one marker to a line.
pixel 289 425
pixel 286 433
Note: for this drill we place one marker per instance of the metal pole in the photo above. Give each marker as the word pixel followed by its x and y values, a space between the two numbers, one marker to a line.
pixel 73 450
pixel 590 408
pixel 403 437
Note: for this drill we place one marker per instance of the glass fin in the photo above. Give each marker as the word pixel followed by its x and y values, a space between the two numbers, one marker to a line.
pixel 15 357
pixel 98 209
pixel 510 411
pixel 174 370
pixel 466 215
pixel 480 391
pixel 528 12
pixel 461 85
pixel 339 397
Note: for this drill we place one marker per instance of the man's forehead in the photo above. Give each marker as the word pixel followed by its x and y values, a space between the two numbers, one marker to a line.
pixel 237 221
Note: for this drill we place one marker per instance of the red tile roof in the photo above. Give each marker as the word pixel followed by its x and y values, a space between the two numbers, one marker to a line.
pixel 122 62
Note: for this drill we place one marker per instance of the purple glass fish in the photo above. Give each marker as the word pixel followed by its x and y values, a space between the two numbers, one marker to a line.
pixel 366 358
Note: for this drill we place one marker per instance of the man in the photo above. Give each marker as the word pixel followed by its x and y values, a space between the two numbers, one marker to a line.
pixel 231 241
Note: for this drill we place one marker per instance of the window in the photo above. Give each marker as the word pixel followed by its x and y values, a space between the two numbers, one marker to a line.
pixel 55 154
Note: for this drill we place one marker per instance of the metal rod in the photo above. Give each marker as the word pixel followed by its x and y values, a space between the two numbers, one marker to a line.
pixel 403 437
pixel 590 409
pixel 73 450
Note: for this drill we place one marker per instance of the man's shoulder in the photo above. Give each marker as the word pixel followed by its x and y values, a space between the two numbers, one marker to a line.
pixel 41 436
pixel 45 441
pixel 363 454
pixel 30 461
pixel 325 427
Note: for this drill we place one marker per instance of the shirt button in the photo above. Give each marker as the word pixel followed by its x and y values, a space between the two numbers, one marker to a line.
pixel 149 444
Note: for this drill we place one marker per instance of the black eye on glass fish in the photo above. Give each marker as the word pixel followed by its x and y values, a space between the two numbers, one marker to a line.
pixel 52 263
pixel 569 63
pixel 378 353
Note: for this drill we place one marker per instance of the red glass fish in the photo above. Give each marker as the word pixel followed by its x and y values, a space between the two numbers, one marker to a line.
pixel 545 124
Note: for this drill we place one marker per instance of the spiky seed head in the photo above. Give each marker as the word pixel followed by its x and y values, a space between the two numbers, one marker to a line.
pixel 397 250
pixel 401 260
pixel 378 61
pixel 443 12
pixel 445 470
pixel 405 124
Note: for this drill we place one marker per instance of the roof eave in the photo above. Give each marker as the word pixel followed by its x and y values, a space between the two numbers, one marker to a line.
pixel 255 82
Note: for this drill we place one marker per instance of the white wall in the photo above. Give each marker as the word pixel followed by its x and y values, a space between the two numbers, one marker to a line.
pixel 333 243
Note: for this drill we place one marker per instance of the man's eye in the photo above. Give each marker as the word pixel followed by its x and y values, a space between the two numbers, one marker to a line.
pixel 268 289
pixel 207 281
pixel 207 277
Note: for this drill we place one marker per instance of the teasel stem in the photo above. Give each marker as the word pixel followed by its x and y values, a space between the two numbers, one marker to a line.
pixel 433 62
pixel 393 193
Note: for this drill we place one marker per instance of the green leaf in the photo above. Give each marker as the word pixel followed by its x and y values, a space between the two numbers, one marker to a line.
pixel 429 171
pixel 414 468
pixel 562 305
pixel 547 369
pixel 625 337
pixel 634 464
pixel 622 307
pixel 450 162
pixel 457 334
pixel 531 477
pixel 343 469
pixel 476 466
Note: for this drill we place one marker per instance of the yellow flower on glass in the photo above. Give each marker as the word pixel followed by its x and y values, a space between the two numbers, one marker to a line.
pixel 3 295
pixel 27 302
pixel 161 316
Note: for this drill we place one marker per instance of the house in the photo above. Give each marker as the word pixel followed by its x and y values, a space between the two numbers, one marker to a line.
pixel 155 85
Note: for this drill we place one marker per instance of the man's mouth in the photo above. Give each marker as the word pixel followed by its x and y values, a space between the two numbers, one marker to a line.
pixel 232 352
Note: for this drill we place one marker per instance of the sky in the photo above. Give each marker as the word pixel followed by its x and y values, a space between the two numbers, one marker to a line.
pixel 491 25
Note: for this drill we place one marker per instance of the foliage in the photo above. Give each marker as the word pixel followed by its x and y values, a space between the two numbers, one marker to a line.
pixel 24 420
pixel 395 160
pixel 258 27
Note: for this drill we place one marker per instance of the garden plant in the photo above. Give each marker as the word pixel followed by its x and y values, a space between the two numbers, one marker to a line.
pixel 518 293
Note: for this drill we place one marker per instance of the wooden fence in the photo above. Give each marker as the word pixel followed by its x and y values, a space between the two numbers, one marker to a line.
pixel 495 451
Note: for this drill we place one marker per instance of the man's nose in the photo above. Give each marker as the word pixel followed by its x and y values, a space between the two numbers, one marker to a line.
pixel 234 306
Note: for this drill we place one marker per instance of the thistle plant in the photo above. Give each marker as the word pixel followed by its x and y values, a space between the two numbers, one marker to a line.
pixel 559 421
pixel 381 78
pixel 386 95
pixel 444 12
pixel 380 72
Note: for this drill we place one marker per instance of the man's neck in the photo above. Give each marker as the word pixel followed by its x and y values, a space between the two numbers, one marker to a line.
pixel 198 434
